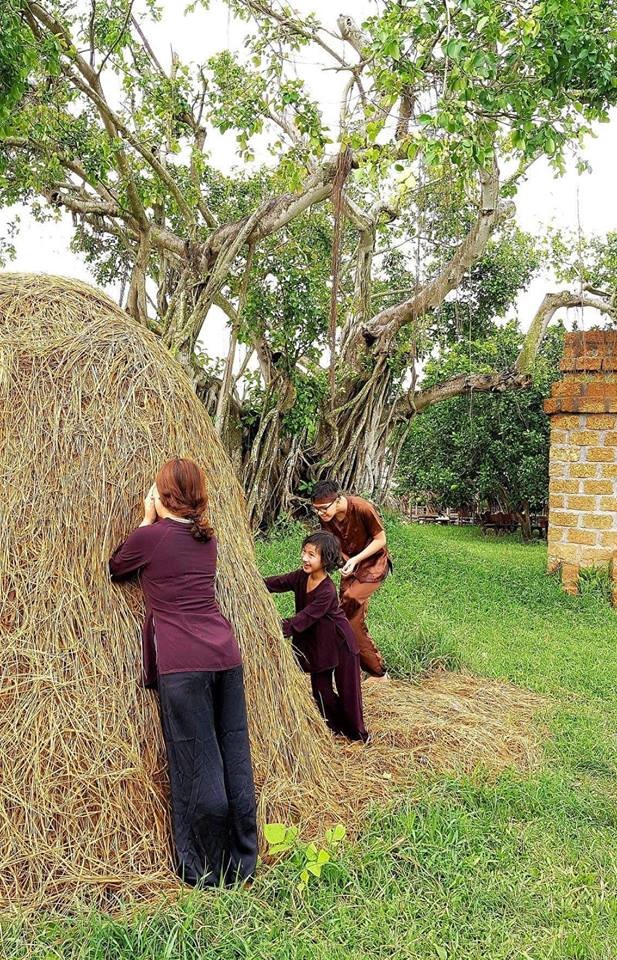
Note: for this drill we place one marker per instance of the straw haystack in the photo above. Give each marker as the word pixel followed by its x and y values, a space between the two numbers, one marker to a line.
pixel 90 406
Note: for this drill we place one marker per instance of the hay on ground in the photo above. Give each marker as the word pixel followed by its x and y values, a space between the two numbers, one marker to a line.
pixel 90 406
pixel 456 721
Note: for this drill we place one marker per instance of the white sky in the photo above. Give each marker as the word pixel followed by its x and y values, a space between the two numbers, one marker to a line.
pixel 541 201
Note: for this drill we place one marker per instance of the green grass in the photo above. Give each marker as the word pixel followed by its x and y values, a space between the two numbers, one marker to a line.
pixel 463 868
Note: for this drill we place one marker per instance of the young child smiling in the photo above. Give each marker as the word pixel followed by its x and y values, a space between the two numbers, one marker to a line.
pixel 324 643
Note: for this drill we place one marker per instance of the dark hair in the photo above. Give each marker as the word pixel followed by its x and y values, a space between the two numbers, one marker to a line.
pixel 182 489
pixel 324 489
pixel 329 549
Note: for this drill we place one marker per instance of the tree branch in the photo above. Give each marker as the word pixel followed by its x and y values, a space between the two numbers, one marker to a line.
pixel 37 16
pixel 294 24
pixel 519 376
pixel 136 301
pixel 146 45
pixel 384 326
pixel 112 118
pixel 539 325
pixel 259 345
pixel 117 130
pixel 160 237
pixel 279 211
pixel 499 382
pixel 73 166
pixel 81 205
pixel 118 38
pixel 227 383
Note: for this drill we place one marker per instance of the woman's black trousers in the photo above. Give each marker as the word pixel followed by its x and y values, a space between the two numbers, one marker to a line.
pixel 212 792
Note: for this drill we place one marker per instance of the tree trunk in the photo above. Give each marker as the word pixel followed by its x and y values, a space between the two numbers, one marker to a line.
pixel 524 519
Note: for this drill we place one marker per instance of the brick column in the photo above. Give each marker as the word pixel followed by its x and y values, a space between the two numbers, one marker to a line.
pixel 582 529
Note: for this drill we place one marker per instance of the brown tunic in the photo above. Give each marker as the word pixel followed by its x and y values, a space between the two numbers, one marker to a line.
pixel 359 526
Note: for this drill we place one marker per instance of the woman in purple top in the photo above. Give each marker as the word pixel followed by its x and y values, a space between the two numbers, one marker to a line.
pixel 323 640
pixel 191 654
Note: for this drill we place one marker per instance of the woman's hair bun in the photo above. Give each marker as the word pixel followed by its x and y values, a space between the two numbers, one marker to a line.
pixel 201 529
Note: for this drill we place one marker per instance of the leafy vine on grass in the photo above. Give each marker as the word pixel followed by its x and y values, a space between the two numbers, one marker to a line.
pixel 308 858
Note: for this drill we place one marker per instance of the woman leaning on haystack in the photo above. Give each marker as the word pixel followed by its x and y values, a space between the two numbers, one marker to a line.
pixel 191 654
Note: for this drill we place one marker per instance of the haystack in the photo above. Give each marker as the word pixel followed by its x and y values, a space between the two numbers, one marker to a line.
pixel 90 406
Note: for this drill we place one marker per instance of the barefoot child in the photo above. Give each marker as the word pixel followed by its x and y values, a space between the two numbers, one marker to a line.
pixel 324 643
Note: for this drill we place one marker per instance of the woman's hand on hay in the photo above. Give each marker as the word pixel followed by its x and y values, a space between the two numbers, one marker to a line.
pixel 149 507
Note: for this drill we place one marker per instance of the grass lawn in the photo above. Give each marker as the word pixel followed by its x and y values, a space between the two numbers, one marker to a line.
pixel 460 868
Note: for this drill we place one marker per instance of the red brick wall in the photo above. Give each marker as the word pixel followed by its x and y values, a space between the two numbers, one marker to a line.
pixel 583 456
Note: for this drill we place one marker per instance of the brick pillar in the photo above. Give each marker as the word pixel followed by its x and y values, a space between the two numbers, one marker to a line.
pixel 582 524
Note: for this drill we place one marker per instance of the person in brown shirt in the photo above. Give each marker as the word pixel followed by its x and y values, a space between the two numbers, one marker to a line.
pixel 359 530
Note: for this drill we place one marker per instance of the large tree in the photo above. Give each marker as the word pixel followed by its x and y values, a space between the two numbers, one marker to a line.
pixel 443 110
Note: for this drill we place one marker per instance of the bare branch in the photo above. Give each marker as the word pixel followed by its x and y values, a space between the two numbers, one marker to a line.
pixel 499 382
pixel 404 114
pixel 388 322
pixel 57 195
pixel 281 121
pixel 344 105
pixel 149 51
pixel 259 345
pixel 294 24
pixel 539 325
pixel 250 351
pixel 352 33
pixel 227 384
pixel 91 31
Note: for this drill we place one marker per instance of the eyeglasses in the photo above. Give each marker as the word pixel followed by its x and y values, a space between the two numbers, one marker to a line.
pixel 324 507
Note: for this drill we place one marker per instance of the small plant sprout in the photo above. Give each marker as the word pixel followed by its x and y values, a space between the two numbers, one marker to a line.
pixel 309 858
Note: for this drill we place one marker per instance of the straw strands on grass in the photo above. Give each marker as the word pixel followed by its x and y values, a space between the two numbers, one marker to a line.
pixel 90 406
pixel 455 721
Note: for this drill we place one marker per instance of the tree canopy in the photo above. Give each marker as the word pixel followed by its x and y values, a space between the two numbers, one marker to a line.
pixel 485 450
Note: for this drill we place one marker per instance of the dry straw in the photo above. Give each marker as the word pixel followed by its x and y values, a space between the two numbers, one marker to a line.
pixel 90 406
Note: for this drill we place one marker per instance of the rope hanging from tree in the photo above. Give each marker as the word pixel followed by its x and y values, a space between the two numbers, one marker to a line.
pixel 343 166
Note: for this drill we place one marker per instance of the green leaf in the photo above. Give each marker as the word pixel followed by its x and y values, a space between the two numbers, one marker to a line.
pixel 275 832
pixel 314 868
pixel 280 847
pixel 392 49
pixel 336 834
pixel 311 852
